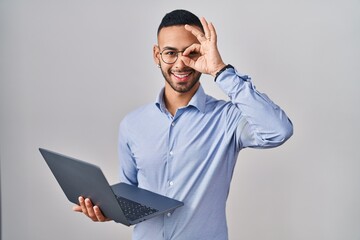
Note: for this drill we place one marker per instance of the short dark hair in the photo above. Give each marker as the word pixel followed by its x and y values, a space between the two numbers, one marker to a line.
pixel 180 17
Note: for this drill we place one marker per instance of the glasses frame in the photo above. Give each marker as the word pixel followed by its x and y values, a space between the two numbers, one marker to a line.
pixel 176 58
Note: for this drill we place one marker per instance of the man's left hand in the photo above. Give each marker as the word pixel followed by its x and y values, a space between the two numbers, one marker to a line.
pixel 210 61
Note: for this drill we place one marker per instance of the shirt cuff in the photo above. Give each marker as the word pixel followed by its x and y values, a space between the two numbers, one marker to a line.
pixel 230 81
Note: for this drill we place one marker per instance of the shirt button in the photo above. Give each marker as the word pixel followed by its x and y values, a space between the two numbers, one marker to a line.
pixel 171 183
pixel 172 124
pixel 168 214
pixel 171 153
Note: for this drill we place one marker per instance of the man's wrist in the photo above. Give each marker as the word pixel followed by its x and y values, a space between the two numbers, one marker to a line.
pixel 221 66
pixel 222 70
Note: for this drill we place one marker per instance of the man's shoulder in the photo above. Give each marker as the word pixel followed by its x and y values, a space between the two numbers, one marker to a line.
pixel 213 103
pixel 141 113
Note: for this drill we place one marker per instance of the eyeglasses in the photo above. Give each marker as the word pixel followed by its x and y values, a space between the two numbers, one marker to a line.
pixel 170 56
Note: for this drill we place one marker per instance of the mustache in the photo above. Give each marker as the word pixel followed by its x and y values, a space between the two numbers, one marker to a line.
pixel 185 70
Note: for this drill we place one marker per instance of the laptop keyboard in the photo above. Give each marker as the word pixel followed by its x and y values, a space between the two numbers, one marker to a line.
pixel 134 210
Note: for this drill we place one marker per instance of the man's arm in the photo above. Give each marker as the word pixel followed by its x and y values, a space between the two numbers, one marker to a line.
pixel 255 119
pixel 128 170
pixel 127 174
pixel 260 122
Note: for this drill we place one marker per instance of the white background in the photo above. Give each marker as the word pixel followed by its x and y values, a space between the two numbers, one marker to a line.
pixel 71 70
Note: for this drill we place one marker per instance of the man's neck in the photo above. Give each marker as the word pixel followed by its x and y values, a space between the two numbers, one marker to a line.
pixel 175 100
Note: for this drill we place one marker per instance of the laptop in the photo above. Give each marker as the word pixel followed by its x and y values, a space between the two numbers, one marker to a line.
pixel 123 203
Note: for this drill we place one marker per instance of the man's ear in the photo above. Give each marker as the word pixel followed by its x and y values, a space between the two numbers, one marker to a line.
pixel 156 55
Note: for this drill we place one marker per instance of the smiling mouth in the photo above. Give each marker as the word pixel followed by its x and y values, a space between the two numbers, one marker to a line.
pixel 182 76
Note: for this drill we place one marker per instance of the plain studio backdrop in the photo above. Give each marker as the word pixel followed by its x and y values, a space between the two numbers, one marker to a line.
pixel 71 70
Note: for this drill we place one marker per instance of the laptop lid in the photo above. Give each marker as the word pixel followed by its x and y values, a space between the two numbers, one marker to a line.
pixel 79 178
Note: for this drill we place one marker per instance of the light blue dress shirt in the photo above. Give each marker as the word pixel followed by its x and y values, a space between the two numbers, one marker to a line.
pixel 191 156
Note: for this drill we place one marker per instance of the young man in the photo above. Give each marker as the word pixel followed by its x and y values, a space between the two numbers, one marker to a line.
pixel 185 145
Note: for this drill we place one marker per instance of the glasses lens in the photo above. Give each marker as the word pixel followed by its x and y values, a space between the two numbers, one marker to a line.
pixel 169 56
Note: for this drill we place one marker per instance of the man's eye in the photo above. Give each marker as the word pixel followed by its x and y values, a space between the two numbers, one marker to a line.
pixel 170 53
pixel 193 54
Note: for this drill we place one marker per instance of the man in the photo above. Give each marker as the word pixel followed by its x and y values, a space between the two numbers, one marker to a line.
pixel 185 145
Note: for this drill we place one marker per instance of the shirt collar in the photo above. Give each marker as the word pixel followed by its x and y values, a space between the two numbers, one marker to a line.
pixel 198 100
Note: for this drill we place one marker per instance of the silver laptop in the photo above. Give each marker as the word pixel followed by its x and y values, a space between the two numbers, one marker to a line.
pixel 124 203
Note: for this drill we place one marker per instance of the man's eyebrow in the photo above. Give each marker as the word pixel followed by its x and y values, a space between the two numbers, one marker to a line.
pixel 170 48
pixel 174 48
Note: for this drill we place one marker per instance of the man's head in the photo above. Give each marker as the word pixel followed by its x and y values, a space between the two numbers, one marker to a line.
pixel 179 18
pixel 173 39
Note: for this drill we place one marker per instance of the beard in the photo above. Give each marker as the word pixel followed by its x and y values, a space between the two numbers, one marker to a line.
pixel 181 87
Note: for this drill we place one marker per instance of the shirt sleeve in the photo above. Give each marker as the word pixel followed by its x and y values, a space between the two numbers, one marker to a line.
pixel 128 170
pixel 260 123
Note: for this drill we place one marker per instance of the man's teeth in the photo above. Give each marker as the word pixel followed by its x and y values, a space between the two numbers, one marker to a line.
pixel 181 75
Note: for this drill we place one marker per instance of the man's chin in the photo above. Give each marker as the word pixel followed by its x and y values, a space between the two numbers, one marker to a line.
pixel 183 87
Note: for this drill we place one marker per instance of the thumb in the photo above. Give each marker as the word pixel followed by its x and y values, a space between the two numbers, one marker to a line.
pixel 188 61
pixel 76 208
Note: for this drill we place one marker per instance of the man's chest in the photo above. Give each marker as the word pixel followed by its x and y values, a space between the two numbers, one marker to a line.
pixel 169 145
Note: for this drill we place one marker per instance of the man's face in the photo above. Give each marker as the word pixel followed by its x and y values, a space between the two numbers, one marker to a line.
pixel 178 76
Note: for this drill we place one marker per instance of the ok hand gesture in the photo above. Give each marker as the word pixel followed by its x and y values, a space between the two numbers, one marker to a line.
pixel 210 61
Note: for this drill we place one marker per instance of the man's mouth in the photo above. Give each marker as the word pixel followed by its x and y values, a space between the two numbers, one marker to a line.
pixel 181 76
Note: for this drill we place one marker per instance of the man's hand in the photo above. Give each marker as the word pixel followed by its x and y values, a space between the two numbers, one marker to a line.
pixel 93 212
pixel 210 61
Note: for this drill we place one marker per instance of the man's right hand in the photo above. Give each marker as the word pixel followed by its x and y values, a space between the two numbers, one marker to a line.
pixel 93 212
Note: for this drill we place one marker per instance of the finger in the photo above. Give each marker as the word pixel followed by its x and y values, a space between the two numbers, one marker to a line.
pixel 206 28
pixel 99 215
pixel 77 208
pixel 192 48
pixel 212 32
pixel 82 205
pixel 186 58
pixel 188 61
pixel 196 32
pixel 90 209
